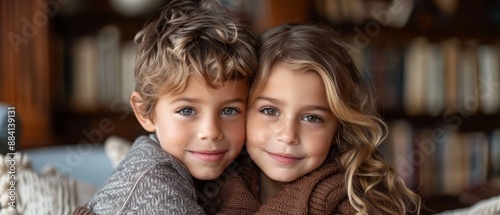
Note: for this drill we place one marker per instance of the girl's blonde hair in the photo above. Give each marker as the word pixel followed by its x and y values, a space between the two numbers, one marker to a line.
pixel 372 185
pixel 189 37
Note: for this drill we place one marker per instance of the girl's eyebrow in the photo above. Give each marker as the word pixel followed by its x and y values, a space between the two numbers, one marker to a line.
pixel 309 107
pixel 272 100
pixel 317 107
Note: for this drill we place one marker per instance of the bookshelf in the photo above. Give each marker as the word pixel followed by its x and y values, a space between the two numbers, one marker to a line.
pixel 429 69
pixel 96 44
pixel 438 79
pixel 67 68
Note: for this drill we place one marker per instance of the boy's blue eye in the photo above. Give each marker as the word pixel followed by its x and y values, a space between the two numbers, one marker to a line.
pixel 270 111
pixel 229 111
pixel 312 118
pixel 186 111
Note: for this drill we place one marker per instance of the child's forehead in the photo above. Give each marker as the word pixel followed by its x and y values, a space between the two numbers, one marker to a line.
pixel 198 85
pixel 204 98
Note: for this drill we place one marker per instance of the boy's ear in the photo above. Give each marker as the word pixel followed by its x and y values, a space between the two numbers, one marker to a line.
pixel 145 121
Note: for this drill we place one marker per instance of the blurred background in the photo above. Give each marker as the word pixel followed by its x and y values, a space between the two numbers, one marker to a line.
pixel 67 68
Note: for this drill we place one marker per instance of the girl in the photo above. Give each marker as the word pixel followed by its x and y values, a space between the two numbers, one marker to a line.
pixel 313 130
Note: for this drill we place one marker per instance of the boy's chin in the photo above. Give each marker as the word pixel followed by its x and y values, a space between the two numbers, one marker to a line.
pixel 206 175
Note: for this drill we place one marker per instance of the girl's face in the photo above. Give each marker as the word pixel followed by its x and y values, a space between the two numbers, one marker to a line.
pixel 290 126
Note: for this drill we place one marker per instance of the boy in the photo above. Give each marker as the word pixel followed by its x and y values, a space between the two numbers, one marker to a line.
pixel 194 63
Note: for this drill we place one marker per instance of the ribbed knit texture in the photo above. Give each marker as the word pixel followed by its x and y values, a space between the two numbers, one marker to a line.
pixel 148 181
pixel 320 192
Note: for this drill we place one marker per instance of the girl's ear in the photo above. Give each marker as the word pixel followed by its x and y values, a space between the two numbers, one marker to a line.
pixel 144 120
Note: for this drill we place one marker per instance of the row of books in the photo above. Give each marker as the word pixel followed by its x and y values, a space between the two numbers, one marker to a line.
pixel 442 160
pixel 402 13
pixel 396 14
pixel 102 70
pixel 422 78
pixel 432 78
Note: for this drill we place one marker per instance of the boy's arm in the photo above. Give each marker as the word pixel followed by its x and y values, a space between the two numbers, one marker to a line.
pixel 148 181
pixel 160 189
pixel 156 193
pixel 82 210
pixel 163 191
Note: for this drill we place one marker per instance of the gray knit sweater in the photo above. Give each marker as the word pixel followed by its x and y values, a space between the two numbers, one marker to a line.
pixel 148 181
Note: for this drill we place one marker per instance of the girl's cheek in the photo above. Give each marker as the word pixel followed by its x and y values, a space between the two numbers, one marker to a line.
pixel 258 134
pixel 263 136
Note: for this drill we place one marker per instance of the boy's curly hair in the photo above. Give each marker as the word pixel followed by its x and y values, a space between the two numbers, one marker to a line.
pixel 186 38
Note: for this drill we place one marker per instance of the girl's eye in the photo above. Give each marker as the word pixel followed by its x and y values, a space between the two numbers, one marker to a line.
pixel 229 111
pixel 312 118
pixel 270 111
pixel 186 111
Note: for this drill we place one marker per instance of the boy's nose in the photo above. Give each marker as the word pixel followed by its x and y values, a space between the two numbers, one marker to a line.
pixel 210 131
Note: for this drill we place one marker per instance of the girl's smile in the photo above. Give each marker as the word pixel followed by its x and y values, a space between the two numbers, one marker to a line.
pixel 285 159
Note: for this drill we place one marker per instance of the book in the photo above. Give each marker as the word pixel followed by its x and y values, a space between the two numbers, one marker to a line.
pixel 392 78
pixel 84 96
pixel 434 91
pixel 478 148
pixel 400 141
pixel 127 70
pixel 452 161
pixel 494 153
pixel 426 157
pixel 108 64
pixel 452 56
pixel 467 74
pixel 489 79
pixel 415 76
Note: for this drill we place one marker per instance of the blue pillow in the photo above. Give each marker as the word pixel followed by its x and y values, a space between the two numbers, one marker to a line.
pixel 83 162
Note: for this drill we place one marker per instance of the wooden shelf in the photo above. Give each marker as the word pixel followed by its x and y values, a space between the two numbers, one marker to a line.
pixel 440 203
pixel 464 122
pixel 96 127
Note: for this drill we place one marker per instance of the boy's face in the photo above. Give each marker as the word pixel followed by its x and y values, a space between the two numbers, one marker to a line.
pixel 290 125
pixel 203 128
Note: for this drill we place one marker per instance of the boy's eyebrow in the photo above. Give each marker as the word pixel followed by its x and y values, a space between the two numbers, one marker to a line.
pixel 235 100
pixel 193 100
pixel 189 100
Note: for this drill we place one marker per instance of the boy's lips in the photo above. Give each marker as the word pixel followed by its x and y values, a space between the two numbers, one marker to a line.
pixel 209 156
pixel 284 158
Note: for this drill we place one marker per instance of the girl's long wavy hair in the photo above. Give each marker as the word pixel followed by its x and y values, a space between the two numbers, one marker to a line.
pixel 372 185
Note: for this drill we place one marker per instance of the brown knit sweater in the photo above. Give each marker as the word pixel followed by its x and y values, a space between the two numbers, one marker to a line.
pixel 320 192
